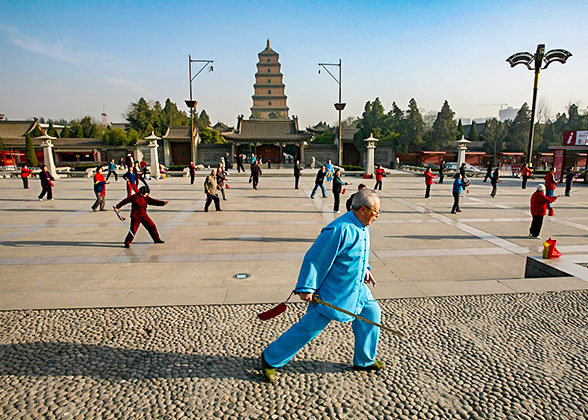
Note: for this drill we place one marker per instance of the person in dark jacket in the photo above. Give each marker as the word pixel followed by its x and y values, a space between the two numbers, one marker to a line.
pixel 458 185
pixel 569 179
pixel 210 189
pixel 46 184
pixel 139 214
pixel 550 184
pixel 337 186
pixel 488 172
pixel 221 177
pixel 441 171
pixel 239 159
pixel 297 169
pixel 255 173
pixel 131 179
pixel 139 174
pixel 349 201
pixel 494 180
pixel 129 161
pixel 462 171
pixel 112 170
pixel 25 172
pixel 318 182
pixel 539 202
pixel 192 170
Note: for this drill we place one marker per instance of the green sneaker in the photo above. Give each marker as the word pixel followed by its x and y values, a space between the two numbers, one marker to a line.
pixel 378 365
pixel 268 371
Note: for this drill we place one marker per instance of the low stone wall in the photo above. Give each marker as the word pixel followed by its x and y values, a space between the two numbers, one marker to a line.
pixel 210 154
pixel 321 152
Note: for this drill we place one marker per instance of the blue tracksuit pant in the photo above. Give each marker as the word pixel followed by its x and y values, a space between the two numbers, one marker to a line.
pixel 549 193
pixel 281 351
pixel 322 188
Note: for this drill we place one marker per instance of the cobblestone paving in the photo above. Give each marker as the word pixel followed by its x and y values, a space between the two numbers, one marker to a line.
pixel 480 357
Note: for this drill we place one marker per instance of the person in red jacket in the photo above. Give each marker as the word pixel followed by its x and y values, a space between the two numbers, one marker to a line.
pixel 428 181
pixel 526 172
pixel 25 172
pixel 139 214
pixel 539 203
pixel 550 184
pixel 379 174
pixel 99 190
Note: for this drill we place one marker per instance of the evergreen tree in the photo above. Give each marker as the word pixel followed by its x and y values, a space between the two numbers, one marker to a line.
pixel 473 135
pixel 460 131
pixel 87 122
pixel 414 127
pixel 328 137
pixel 95 132
pixel 65 133
pixel 204 118
pixel 444 128
pixel 518 133
pixel 133 136
pixel 30 151
pixel 1 144
pixel 210 136
pixel 78 132
pixel 36 132
pixel 116 137
pixel 371 121
pixel 51 131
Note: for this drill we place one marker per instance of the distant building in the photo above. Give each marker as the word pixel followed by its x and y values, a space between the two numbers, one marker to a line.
pixel 507 114
pixel 269 100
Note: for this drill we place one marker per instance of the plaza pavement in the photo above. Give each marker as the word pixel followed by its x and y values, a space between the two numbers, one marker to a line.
pixel 59 254
pixel 487 353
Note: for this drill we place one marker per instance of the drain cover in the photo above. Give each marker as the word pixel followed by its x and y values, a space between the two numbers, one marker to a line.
pixel 241 276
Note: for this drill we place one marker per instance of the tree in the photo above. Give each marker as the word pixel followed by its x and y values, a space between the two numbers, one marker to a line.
pixel 87 122
pixel 133 136
pixel 30 151
pixel 414 127
pixel 139 115
pixel 444 128
pixel 77 131
pixel 1 144
pixel 518 133
pixel 473 135
pixel 65 133
pixel 493 137
pixel 460 131
pixel 36 132
pixel 210 136
pixel 95 132
pixel 116 137
pixel 204 119
pixel 327 137
pixel 371 121
pixel 51 131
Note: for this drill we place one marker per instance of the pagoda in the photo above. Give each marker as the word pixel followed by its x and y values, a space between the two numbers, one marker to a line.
pixel 269 100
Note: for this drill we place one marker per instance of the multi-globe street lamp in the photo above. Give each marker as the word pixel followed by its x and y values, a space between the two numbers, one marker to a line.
pixel 190 103
pixel 537 62
pixel 339 106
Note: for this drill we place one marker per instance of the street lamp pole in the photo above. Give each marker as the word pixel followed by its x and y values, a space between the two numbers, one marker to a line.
pixel 339 106
pixel 190 103
pixel 537 62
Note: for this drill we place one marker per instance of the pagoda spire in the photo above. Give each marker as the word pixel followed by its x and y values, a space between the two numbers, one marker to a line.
pixel 269 46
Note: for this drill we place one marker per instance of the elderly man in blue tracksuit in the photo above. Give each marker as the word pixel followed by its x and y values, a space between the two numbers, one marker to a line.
pixel 337 269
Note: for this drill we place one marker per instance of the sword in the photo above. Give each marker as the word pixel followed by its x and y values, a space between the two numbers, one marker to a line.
pixel 315 300
pixel 122 219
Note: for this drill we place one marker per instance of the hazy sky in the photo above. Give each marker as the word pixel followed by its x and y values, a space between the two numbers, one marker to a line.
pixel 70 58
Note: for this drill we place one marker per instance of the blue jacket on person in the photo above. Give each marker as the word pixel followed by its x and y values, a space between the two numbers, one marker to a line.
pixel 336 265
pixel 130 177
pixel 458 185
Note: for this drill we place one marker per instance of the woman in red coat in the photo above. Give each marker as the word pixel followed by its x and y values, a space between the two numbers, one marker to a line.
pixel 25 172
pixel 379 174
pixel 428 181
pixel 539 202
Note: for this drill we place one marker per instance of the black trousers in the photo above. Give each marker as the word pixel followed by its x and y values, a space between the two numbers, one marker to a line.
pixel 378 183
pixel 525 177
pixel 428 191
pixel 255 180
pixel 110 173
pixel 192 176
pixel 209 199
pixel 25 182
pixel 336 196
pixel 536 224
pixel 240 167
pixel 296 179
pixel 493 193
pixel 441 176
pixel 48 191
pixel 455 202
pixel 486 177
pixel 568 188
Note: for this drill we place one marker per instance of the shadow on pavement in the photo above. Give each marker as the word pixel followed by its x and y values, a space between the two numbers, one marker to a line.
pixel 254 239
pixel 112 363
pixel 61 243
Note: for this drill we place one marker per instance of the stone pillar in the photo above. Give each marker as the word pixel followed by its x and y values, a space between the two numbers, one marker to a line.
pixel 461 150
pixel 154 159
pixel 302 145
pixel 47 146
pixel 370 146
pixel 167 153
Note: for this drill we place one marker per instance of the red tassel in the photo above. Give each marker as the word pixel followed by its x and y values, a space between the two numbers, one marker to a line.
pixel 227 185
pixel 272 313
pixel 343 192
pixel 551 212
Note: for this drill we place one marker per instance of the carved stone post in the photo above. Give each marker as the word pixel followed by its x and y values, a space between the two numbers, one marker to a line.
pixel 370 145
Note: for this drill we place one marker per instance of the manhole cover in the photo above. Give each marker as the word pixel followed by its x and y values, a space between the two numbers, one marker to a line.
pixel 241 276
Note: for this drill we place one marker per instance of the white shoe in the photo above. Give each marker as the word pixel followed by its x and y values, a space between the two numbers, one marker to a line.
pixel 40 199
pixel 336 211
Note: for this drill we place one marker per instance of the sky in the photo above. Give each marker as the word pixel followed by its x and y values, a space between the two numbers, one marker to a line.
pixel 68 59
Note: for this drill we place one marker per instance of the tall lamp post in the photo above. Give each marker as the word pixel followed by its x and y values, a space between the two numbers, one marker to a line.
pixel 190 103
pixel 339 106
pixel 537 62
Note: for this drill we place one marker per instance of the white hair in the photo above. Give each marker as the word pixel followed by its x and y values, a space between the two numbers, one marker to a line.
pixel 365 198
pixel 540 187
